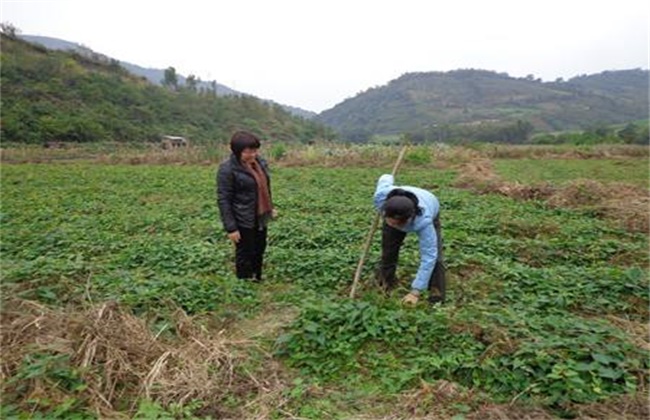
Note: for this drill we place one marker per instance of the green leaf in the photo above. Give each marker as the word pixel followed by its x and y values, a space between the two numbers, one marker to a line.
pixel 603 359
pixel 605 372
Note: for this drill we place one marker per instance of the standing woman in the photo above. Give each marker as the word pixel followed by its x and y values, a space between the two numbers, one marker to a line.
pixel 244 199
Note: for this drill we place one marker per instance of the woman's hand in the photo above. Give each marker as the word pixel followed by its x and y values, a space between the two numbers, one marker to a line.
pixel 234 237
pixel 411 298
pixel 274 214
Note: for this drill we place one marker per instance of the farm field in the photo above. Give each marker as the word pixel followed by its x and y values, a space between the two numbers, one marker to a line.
pixel 119 299
pixel 559 171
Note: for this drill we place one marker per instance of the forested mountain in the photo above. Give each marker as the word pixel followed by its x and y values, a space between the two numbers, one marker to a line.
pixel 50 95
pixel 437 105
pixel 155 76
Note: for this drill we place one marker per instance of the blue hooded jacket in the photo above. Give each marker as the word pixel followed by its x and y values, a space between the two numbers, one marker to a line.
pixel 422 225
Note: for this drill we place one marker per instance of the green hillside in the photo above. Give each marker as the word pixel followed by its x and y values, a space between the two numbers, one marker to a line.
pixel 440 106
pixel 62 96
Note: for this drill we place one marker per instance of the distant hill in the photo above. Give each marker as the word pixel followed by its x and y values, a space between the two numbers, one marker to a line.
pixel 72 96
pixel 433 104
pixel 155 76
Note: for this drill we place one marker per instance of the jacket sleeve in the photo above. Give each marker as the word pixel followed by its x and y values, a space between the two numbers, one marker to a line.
pixel 384 185
pixel 428 256
pixel 225 193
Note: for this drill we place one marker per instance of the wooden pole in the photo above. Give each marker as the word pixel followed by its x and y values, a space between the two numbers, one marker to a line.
pixel 373 228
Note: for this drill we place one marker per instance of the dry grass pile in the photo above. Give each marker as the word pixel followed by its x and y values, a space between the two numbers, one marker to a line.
pixel 629 407
pixel 625 205
pixel 38 154
pixel 320 154
pixel 638 331
pixel 108 360
pixel 115 153
pixel 626 407
pixel 600 151
pixel 441 399
pixel 476 174
pixel 328 157
pixel 371 156
pixel 628 205
pixel 434 399
pixel 456 155
pixel 157 156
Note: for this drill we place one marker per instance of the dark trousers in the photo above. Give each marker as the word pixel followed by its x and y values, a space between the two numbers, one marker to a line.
pixel 391 242
pixel 249 253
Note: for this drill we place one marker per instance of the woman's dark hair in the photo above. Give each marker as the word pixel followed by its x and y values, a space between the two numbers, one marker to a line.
pixel 401 205
pixel 242 140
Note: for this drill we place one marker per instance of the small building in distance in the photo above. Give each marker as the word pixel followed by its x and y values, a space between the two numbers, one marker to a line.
pixel 173 142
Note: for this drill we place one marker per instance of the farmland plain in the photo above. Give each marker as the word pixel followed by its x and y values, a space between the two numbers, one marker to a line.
pixel 546 314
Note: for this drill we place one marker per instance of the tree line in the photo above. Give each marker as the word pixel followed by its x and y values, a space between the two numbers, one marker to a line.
pixel 67 97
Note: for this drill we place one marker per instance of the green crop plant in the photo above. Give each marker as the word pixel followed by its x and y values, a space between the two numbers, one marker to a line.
pixel 546 305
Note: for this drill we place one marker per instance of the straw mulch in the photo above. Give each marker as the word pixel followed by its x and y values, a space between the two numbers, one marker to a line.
pixel 120 362
pixel 437 400
pixel 624 205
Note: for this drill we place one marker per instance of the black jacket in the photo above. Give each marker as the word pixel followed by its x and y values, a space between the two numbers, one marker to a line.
pixel 237 194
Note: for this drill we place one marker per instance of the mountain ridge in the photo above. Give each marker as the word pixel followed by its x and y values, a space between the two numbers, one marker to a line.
pixel 415 102
pixel 443 105
pixel 65 96
pixel 153 75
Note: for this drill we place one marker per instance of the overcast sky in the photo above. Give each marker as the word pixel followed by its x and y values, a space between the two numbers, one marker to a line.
pixel 314 54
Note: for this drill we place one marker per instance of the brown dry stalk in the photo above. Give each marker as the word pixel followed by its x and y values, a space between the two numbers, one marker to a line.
pixel 622 204
pixel 122 361
pixel 638 331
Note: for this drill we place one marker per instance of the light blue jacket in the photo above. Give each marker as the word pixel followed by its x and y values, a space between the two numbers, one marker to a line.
pixel 422 225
